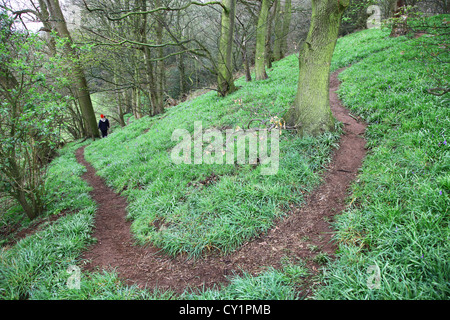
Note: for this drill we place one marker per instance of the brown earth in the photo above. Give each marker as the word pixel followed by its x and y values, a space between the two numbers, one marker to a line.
pixel 14 233
pixel 302 234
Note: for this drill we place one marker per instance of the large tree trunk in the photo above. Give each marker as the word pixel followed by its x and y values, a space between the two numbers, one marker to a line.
pixel 141 34
pixel 225 82
pixel 81 88
pixel 261 35
pixel 311 112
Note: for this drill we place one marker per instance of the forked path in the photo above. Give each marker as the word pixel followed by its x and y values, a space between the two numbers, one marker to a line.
pixel 303 228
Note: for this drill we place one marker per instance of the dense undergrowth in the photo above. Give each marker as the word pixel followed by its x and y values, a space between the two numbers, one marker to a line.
pixel 398 218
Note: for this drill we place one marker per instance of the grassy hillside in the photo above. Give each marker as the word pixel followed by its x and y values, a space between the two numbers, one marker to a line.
pixel 397 218
pixel 240 203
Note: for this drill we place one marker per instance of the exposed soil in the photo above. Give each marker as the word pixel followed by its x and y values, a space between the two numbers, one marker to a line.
pixel 14 234
pixel 303 233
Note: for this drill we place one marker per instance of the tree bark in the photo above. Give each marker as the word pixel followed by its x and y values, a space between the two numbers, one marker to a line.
pixel 268 57
pixel 81 88
pixel 151 80
pixel 286 24
pixel 78 131
pixel 311 112
pixel 120 114
pixel 160 65
pixel 261 35
pixel 278 31
pixel 282 23
pixel 225 82
pixel 182 75
pixel 180 62
pixel 248 75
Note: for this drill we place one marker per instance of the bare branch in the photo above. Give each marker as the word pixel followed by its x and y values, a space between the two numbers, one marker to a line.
pixel 153 10
pixel 20 12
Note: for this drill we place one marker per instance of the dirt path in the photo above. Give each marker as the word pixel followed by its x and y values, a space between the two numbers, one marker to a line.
pixel 293 237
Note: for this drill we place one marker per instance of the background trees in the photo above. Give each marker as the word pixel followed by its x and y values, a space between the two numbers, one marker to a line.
pixel 147 55
pixel 32 110
pixel 138 57
pixel 261 36
pixel 200 44
pixel 51 10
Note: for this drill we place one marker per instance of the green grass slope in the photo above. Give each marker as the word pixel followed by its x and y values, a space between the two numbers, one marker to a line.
pixel 397 220
pixel 242 202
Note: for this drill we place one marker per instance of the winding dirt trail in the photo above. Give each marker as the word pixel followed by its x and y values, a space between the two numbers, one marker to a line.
pixel 303 227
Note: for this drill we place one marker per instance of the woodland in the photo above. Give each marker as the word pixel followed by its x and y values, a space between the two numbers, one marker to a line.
pixel 355 98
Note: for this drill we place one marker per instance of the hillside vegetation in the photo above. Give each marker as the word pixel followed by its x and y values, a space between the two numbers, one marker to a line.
pixel 239 202
pixel 397 217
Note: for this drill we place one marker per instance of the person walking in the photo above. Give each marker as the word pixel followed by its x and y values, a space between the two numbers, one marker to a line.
pixel 103 125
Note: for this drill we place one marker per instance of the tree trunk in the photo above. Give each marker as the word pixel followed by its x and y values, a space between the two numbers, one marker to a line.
pixel 268 57
pixel 45 20
pixel 261 35
pixel 160 65
pixel 84 100
pixel 78 131
pixel 311 112
pixel 225 82
pixel 31 214
pixel 151 80
pixel 119 101
pixel 282 23
pixel 180 62
pixel 182 75
pixel 120 113
pixel 15 171
pixel 80 83
pixel 248 75
pixel 141 30
pixel 278 31
pixel 286 24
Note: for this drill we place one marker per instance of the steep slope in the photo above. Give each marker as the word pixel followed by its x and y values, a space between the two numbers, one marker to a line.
pixel 173 207
pixel 396 222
